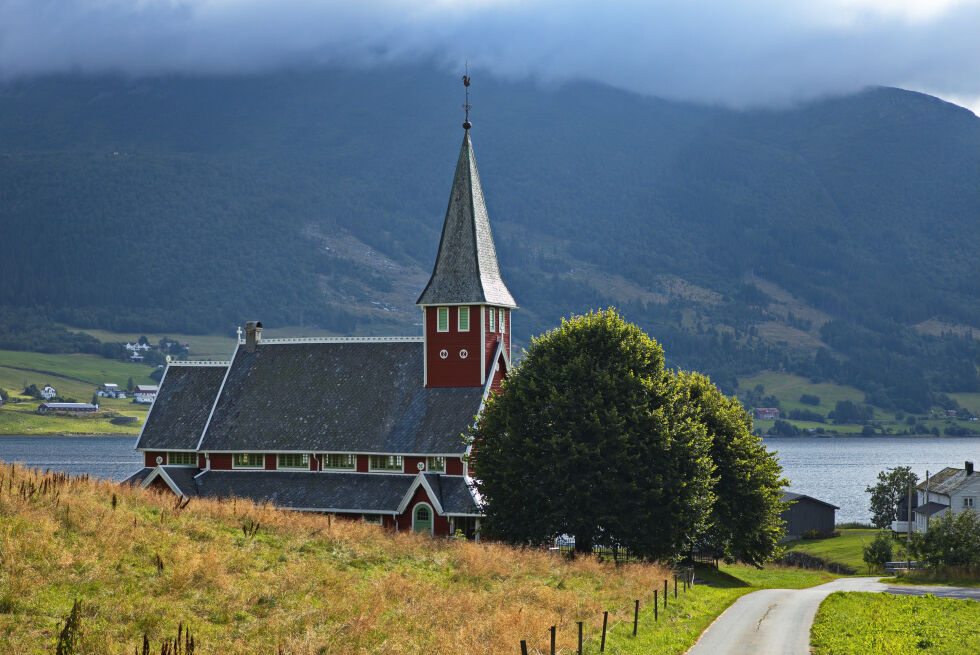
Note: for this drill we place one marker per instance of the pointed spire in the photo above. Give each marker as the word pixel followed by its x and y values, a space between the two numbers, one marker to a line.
pixel 466 269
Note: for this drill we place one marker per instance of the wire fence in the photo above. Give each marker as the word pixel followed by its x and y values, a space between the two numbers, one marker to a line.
pixel 590 635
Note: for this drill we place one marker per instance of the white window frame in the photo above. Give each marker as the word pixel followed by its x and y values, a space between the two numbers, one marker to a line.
pixel 240 466
pixel 460 313
pixel 304 466
pixel 493 314
pixel 967 502
pixel 439 315
pixel 326 462
pixel 500 321
pixel 171 453
pixel 399 467
pixel 431 469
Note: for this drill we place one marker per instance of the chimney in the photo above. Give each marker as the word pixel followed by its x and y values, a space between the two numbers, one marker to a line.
pixel 253 334
pixel 969 468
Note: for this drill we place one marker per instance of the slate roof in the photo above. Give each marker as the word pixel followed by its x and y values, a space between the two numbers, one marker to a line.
pixel 374 492
pixel 946 481
pixel 789 496
pixel 466 269
pixel 929 508
pixel 365 397
pixel 182 407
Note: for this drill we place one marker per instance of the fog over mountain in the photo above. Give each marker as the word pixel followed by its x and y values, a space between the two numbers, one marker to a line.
pixel 749 53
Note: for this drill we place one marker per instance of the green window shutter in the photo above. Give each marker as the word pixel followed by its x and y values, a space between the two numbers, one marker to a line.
pixel 463 319
pixel 442 323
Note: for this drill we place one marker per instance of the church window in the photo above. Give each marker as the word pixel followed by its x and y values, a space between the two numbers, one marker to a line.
pixel 493 313
pixel 463 319
pixel 442 319
pixel 294 461
pixel 501 320
pixel 386 462
pixel 340 461
pixel 435 464
pixel 373 519
pixel 182 459
pixel 248 461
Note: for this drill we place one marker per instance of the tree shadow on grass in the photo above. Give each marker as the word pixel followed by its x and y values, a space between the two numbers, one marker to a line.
pixel 715 578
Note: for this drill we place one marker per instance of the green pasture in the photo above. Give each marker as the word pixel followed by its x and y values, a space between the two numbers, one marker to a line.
pixel 856 623
pixel 788 388
pixel 21 418
pixel 85 368
pixel 847 549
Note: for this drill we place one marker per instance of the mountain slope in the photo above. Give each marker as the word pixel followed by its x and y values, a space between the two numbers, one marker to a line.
pixel 742 240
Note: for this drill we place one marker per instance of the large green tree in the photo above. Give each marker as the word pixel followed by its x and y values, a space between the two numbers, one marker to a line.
pixel 587 439
pixel 951 540
pixel 891 489
pixel 746 523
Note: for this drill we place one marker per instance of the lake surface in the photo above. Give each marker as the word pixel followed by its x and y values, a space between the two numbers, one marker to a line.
pixel 835 470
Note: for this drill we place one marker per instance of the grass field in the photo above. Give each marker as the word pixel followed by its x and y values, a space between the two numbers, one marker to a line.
pixel 303 582
pixel 92 369
pixel 20 418
pixel 882 624
pixel 846 549
pixel 682 622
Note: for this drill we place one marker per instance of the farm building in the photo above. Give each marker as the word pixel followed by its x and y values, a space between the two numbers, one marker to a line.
pixel 377 434
pixel 765 413
pixel 45 408
pixel 807 513
pixel 145 393
pixel 952 489
pixel 49 392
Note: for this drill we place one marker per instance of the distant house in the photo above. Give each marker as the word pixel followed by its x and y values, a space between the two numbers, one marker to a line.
pixel 49 392
pixel 951 413
pixel 952 489
pixel 807 513
pixel 145 393
pixel 110 390
pixel 46 408
pixel 765 412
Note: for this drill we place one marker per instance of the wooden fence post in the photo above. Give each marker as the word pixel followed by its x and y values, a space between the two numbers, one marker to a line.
pixel 523 647
pixel 656 603
pixel 579 638
pixel 665 594
pixel 675 585
pixel 553 640
pixel 636 615
pixel 605 619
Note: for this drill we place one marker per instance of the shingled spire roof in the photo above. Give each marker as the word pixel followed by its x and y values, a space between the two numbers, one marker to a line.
pixel 466 269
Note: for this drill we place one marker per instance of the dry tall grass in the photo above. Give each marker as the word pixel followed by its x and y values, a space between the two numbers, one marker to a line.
pixel 301 582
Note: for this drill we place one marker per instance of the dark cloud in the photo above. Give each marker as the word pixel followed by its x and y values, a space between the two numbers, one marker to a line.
pixel 742 53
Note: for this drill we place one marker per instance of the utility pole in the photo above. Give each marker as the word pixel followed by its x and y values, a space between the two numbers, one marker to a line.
pixel 908 537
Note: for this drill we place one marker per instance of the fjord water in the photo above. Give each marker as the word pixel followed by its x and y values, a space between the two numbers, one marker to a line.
pixel 836 470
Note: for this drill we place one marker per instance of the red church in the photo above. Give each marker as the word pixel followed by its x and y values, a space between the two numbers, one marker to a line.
pixel 379 433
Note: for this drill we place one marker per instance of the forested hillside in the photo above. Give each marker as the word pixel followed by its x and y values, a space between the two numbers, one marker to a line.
pixel 836 240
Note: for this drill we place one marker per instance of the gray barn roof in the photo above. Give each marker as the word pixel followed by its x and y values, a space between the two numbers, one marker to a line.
pixel 790 496
pixel 182 407
pixel 466 269
pixel 363 397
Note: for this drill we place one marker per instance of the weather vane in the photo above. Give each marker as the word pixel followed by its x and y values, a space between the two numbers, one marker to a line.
pixel 466 83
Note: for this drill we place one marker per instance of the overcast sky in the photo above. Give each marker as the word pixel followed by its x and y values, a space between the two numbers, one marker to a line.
pixel 735 52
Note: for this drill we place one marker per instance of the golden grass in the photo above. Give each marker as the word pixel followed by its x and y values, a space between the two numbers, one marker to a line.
pixel 304 582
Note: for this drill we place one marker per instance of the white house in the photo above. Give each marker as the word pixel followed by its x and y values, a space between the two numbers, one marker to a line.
pixel 145 393
pixel 952 489
pixel 48 392
pixel 110 390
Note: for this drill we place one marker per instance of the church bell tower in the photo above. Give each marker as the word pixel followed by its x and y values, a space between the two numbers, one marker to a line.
pixel 466 305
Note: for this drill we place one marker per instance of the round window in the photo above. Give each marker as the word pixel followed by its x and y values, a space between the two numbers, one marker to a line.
pixel 444 354
pixel 463 354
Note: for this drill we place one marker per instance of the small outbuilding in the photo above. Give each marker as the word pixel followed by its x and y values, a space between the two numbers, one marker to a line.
pixel 806 513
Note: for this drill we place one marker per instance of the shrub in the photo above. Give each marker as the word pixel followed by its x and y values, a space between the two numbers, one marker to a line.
pixel 951 540
pixel 879 551
pixel 809 399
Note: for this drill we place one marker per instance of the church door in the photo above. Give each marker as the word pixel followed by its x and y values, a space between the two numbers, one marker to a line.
pixel 422 518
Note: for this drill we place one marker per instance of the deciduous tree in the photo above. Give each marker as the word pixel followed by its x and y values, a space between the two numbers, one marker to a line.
pixel 891 489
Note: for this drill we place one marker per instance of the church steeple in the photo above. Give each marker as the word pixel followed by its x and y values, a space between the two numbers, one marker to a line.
pixel 466 305
pixel 466 269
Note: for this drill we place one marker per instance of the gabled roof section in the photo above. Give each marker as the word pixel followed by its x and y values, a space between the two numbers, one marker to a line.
pixel 946 481
pixel 466 269
pixel 791 496
pixel 181 408
pixel 363 397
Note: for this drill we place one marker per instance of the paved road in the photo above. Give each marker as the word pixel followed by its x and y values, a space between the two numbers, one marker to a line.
pixel 777 621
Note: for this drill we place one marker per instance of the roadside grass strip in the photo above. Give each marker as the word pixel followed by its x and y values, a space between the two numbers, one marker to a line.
pixel 684 619
pixel 858 623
